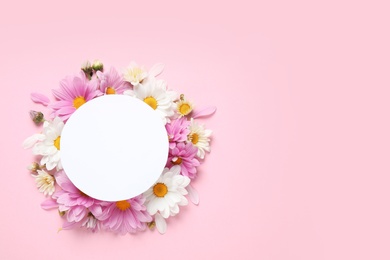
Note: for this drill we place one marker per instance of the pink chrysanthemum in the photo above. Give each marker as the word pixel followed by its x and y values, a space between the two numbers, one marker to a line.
pixel 184 156
pixel 75 203
pixel 126 216
pixel 73 93
pixel 111 82
pixel 178 131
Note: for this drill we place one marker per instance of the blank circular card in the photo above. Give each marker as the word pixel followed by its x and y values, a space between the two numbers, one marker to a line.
pixel 114 147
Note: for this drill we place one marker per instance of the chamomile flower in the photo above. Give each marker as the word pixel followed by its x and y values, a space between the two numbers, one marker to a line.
pixel 47 144
pixel 45 182
pixel 167 194
pixel 155 94
pixel 199 137
pixel 184 107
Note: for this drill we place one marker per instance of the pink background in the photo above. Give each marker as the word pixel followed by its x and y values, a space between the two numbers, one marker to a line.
pixel 299 167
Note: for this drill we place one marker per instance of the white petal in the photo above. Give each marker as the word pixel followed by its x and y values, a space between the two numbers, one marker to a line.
pixel 152 206
pixel 165 211
pixel 157 69
pixel 161 224
pixel 50 165
pixel 175 169
pixel 129 92
pixel 30 141
pixel 200 153
pixel 59 166
pixel 175 210
pixel 183 202
pixel 193 194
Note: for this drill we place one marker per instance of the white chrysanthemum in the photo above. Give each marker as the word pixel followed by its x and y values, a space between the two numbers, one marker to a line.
pixel 155 94
pixel 90 222
pixel 45 182
pixel 135 74
pixel 166 195
pixel 199 137
pixel 47 144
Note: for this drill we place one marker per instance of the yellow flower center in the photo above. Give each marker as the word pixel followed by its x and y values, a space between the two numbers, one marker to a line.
pixel 110 91
pixel 160 190
pixel 177 160
pixel 123 205
pixel 184 109
pixel 48 180
pixel 151 101
pixel 57 143
pixel 78 102
pixel 194 137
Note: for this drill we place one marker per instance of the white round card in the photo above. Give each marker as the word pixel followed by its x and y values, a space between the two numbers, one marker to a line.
pixel 114 147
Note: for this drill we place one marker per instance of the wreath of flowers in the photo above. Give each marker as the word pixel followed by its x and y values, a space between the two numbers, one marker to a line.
pixel 189 142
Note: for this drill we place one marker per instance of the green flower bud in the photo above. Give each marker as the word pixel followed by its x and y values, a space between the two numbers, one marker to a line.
pixel 97 65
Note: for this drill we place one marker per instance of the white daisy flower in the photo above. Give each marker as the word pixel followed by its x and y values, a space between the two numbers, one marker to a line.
pixel 155 94
pixel 199 137
pixel 164 198
pixel 47 144
pixel 45 182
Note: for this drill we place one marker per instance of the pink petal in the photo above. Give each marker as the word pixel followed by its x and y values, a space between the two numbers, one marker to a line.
pixel 69 225
pixel 49 204
pixel 40 98
pixel 207 111
pixel 193 194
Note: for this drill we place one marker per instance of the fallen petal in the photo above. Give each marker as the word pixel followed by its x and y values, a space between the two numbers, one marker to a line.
pixel 40 98
pixel 207 111
pixel 157 69
pixel 193 194
pixel 49 204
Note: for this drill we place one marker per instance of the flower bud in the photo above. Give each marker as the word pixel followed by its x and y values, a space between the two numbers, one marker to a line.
pixel 97 65
pixel 34 167
pixel 151 225
pixel 37 117
pixel 86 65
pixel 87 68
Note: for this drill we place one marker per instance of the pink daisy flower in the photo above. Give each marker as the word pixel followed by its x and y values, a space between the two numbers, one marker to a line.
pixel 111 82
pixel 75 203
pixel 184 156
pixel 73 93
pixel 126 216
pixel 178 131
